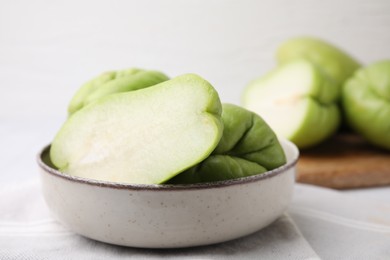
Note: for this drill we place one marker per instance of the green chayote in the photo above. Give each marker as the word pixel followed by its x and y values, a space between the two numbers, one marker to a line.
pixel 114 82
pixel 248 146
pixel 297 100
pixel 145 136
pixel 335 62
pixel 366 102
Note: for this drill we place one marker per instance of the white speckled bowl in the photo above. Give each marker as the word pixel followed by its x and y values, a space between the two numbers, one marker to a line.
pixel 167 216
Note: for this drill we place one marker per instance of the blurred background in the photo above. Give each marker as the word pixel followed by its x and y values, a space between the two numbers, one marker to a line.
pixel 49 48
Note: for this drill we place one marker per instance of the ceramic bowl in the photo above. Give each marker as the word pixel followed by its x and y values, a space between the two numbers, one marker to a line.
pixel 168 216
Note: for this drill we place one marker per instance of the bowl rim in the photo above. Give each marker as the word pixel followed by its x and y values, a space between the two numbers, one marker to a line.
pixel 169 187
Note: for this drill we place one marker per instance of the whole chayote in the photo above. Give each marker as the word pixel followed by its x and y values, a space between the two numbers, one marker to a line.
pixel 114 82
pixel 366 102
pixel 334 62
pixel 248 146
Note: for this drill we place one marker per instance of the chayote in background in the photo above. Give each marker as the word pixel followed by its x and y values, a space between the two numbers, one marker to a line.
pixel 300 98
pixel 248 146
pixel 335 63
pixel 297 100
pixel 366 102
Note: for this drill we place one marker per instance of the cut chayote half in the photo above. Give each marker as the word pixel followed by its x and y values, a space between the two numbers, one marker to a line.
pixel 297 100
pixel 145 136
pixel 114 82
pixel 366 102
pixel 248 146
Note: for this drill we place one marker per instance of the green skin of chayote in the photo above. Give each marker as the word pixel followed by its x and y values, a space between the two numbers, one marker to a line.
pixel 336 63
pixel 366 102
pixel 248 146
pixel 114 82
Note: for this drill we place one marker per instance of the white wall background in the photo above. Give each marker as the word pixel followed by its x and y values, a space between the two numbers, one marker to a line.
pixel 49 48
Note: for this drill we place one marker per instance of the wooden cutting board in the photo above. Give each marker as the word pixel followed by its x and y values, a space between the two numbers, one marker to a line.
pixel 345 161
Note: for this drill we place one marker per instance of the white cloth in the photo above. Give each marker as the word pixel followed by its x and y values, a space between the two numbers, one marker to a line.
pixel 341 225
pixel 27 231
pixel 329 225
